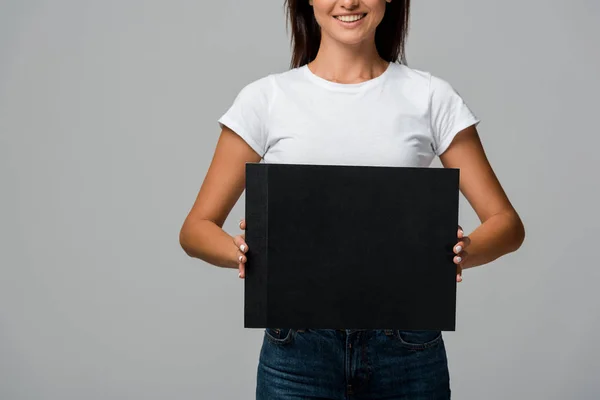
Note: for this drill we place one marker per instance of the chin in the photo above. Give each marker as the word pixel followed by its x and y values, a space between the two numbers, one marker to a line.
pixel 350 40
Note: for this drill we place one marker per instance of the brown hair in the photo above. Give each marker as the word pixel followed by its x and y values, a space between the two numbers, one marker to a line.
pixel 390 36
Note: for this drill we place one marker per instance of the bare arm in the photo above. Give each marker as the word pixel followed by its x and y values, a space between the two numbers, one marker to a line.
pixel 201 235
pixel 501 230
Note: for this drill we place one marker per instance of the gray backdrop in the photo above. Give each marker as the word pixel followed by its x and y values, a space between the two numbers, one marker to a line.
pixel 108 115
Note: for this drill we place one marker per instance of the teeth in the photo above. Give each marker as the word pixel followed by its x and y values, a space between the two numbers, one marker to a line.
pixel 349 18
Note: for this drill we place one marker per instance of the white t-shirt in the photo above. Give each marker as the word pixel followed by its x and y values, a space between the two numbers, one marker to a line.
pixel 403 117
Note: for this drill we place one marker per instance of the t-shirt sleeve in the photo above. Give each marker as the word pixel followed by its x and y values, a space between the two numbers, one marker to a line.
pixel 449 114
pixel 247 116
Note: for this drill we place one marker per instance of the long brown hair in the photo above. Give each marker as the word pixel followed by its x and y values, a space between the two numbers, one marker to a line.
pixel 390 36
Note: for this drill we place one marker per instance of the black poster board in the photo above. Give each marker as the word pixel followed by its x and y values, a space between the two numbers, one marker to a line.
pixel 350 247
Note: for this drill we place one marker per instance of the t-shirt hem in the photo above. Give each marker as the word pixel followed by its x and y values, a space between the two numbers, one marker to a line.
pixel 242 132
pixel 443 146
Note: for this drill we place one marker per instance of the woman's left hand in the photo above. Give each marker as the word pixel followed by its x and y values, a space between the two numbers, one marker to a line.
pixel 461 254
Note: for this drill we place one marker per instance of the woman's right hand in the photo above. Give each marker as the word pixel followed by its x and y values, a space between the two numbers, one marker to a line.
pixel 242 249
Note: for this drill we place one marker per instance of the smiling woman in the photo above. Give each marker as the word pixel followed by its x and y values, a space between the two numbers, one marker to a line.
pixel 349 98
pixel 385 25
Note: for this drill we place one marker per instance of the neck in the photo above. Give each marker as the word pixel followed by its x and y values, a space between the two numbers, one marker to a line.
pixel 347 63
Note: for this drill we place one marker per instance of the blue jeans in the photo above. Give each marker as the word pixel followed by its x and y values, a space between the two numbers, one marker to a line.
pixel 352 364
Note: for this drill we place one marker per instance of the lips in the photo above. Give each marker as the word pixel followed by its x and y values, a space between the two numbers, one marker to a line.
pixel 350 18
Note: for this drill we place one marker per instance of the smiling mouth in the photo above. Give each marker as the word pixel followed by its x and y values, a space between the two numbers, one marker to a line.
pixel 350 18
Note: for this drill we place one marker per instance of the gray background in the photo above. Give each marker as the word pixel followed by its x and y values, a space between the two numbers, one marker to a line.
pixel 108 115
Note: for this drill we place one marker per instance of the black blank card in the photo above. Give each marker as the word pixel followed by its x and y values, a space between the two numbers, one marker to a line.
pixel 350 247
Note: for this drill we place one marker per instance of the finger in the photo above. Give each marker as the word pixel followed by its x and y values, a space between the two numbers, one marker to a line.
pixel 460 233
pixel 460 246
pixel 242 223
pixel 242 270
pixel 460 258
pixel 241 258
pixel 459 274
pixel 240 242
pixel 466 242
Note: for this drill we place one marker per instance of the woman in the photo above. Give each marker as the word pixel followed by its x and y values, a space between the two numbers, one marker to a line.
pixel 349 98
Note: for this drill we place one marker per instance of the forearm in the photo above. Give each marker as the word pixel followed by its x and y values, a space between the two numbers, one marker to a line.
pixel 207 241
pixel 500 234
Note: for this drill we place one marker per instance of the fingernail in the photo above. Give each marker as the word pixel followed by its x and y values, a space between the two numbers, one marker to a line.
pixel 458 259
pixel 458 249
pixel 240 258
pixel 239 275
pixel 243 247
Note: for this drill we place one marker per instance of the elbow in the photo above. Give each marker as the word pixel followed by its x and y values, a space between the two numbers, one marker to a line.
pixel 184 239
pixel 518 229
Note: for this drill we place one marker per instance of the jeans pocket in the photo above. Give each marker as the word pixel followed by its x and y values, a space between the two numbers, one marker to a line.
pixel 279 336
pixel 418 340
